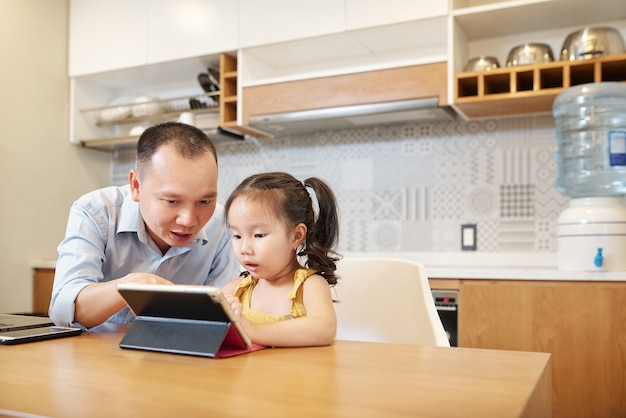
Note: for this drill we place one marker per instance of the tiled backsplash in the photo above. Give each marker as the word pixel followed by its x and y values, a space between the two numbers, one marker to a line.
pixel 410 187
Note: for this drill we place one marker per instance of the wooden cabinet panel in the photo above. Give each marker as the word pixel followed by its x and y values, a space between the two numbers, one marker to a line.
pixel 404 83
pixel 444 284
pixel 42 290
pixel 580 323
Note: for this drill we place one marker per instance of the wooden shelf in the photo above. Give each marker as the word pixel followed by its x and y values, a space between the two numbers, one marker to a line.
pixel 228 83
pixel 529 89
pixel 229 100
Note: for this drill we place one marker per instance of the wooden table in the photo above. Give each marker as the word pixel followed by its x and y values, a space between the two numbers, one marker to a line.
pixel 90 376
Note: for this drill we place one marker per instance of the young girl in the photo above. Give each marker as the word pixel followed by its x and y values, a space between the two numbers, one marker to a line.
pixel 276 221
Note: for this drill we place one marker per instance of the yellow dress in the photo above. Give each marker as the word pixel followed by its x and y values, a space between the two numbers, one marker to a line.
pixel 246 287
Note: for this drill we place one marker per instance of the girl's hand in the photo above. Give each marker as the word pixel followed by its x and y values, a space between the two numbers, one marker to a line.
pixel 235 305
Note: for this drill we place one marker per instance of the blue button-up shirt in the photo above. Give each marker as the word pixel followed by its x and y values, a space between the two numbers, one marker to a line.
pixel 106 239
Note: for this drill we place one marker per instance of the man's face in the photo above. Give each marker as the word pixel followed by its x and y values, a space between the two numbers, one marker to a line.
pixel 177 196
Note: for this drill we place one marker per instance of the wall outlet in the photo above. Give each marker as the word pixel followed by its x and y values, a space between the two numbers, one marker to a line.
pixel 468 237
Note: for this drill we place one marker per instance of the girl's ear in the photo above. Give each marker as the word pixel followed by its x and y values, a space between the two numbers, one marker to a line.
pixel 299 235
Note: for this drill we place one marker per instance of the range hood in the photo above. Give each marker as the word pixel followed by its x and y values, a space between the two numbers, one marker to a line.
pixel 416 110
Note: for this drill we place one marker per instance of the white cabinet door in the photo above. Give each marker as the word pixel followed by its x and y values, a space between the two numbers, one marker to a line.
pixel 264 22
pixel 190 28
pixel 369 13
pixel 106 35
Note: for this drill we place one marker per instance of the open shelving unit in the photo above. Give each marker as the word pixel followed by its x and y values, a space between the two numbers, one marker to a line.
pixel 530 88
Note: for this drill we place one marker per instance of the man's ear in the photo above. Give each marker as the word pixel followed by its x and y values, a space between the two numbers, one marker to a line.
pixel 133 180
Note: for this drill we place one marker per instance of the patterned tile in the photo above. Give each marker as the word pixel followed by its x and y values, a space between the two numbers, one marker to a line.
pixel 487 235
pixel 409 186
pixel 517 200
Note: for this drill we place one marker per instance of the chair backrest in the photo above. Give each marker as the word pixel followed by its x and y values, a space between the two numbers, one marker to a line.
pixel 386 300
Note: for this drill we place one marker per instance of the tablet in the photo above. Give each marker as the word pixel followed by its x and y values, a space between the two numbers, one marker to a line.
pixel 190 319
pixel 37 334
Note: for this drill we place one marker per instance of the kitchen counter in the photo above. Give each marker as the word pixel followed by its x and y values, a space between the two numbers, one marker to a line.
pixel 504 266
pixel 520 273
pixel 43 264
pixel 475 265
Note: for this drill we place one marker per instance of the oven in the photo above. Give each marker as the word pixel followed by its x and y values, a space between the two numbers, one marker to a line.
pixel 447 304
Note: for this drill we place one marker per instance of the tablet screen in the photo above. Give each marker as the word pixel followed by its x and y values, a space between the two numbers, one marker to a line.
pixel 187 302
pixel 175 301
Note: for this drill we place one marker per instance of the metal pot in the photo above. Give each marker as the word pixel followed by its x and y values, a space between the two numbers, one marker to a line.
pixel 590 43
pixel 482 63
pixel 532 53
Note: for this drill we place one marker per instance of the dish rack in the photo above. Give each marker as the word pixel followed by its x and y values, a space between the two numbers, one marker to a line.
pixel 153 109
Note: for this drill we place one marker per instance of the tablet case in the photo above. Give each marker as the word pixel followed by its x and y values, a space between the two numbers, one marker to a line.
pixel 183 320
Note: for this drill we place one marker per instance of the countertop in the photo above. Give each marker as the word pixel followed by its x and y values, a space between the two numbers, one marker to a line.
pixel 505 266
pixel 475 265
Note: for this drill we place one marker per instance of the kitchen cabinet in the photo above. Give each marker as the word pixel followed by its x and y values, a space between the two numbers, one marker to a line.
pixel 108 35
pixel 168 87
pixel 275 21
pixel 156 49
pixel 362 14
pixel 492 28
pixel 43 279
pixel 378 39
pixel 581 323
pixel 378 62
pixel 172 88
pixel 403 83
pixel 408 43
pixel 190 28
pixel 271 21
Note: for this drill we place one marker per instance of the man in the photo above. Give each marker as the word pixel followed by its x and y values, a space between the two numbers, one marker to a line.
pixel 163 227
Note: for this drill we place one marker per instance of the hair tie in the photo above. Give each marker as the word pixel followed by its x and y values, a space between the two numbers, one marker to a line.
pixel 314 202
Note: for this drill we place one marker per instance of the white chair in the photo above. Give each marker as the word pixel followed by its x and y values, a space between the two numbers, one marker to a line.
pixel 386 300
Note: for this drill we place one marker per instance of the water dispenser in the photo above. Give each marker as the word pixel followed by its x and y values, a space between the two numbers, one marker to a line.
pixel 591 159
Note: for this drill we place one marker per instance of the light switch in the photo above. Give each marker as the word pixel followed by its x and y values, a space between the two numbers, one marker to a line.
pixel 468 237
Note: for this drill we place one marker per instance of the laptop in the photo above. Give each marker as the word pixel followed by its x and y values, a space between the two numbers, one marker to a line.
pixel 18 329
pixel 183 319
pixel 9 322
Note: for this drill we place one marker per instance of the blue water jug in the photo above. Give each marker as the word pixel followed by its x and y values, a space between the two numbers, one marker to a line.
pixel 591 139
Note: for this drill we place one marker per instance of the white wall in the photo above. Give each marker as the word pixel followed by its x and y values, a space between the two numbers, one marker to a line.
pixel 41 172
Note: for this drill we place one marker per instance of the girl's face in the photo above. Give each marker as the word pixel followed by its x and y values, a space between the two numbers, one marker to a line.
pixel 262 243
